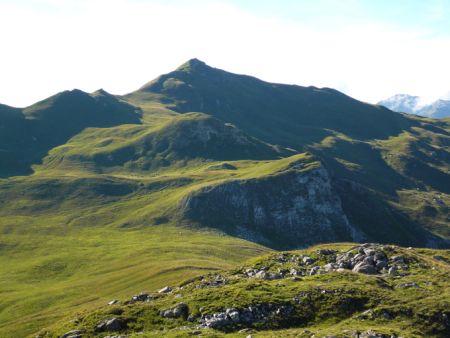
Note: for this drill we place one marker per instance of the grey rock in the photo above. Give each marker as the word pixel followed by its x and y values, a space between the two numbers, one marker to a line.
pixel 113 324
pixel 380 256
pixel 72 334
pixel 331 267
pixel 392 271
pixel 268 275
pixel 369 252
pixel 165 289
pixel 142 297
pixel 180 310
pixel 289 205
pixel 368 260
pixel 408 285
pixel 381 264
pixel 365 268
pixel 308 260
pixel 398 259
pixel 314 270
pixel 326 252
pixel 113 302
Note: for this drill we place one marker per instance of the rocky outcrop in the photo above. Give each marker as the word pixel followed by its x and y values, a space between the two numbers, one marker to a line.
pixel 368 258
pixel 248 316
pixel 292 208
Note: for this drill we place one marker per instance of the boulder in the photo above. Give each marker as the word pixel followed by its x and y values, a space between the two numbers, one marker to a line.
pixel 180 310
pixel 113 324
pixel 142 297
pixel 381 264
pixel 398 259
pixel 165 289
pixel 308 260
pixel 314 270
pixel 365 268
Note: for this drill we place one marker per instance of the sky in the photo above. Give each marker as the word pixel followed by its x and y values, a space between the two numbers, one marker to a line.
pixel 368 49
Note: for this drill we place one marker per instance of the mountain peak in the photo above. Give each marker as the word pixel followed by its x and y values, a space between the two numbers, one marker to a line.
pixel 101 92
pixel 192 65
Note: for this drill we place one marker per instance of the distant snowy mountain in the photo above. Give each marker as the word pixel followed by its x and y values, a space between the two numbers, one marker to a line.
pixel 412 105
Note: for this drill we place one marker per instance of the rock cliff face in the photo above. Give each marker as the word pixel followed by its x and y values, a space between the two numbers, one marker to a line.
pixel 289 209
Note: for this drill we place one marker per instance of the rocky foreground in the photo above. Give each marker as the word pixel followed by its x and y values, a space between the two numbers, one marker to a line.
pixel 367 290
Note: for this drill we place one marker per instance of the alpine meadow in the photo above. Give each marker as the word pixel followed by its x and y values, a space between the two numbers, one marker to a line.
pixel 200 184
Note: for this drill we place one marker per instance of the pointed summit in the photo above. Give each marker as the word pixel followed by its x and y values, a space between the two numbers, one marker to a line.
pixel 100 92
pixel 192 65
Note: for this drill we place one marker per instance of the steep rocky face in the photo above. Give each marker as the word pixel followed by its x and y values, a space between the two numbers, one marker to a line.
pixel 289 209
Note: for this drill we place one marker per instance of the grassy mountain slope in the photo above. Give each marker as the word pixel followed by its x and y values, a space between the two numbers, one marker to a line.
pixel 290 294
pixel 100 216
pixel 108 234
pixel 149 147
pixel 277 113
pixel 377 156
pixel 36 129
pixel 105 236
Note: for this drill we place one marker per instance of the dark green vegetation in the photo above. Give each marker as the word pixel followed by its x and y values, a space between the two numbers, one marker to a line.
pixel 285 299
pixel 103 195
pixel 28 134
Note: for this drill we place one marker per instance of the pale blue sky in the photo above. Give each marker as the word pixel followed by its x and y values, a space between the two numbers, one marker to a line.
pixel 370 49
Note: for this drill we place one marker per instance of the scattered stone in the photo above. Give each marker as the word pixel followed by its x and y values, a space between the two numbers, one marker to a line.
pixel 372 334
pixel 408 285
pixel 165 289
pixel 308 260
pixel 365 268
pixel 113 324
pixel 439 258
pixel 398 259
pixel 142 297
pixel 381 265
pixel 392 271
pixel 246 316
pixel 181 310
pixel 267 275
pixel 72 334
pixel 314 270
pixel 113 302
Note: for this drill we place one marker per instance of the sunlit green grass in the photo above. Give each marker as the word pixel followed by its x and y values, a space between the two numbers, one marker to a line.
pixel 60 255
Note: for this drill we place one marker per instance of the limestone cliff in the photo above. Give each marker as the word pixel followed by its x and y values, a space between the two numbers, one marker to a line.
pixel 292 208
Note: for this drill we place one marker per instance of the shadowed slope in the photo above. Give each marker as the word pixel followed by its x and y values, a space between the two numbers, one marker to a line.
pixel 32 131
pixel 185 138
pixel 281 114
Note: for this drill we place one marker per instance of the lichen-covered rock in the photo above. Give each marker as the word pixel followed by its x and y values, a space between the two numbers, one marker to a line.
pixel 248 316
pixel 110 325
pixel 291 208
pixel 181 310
